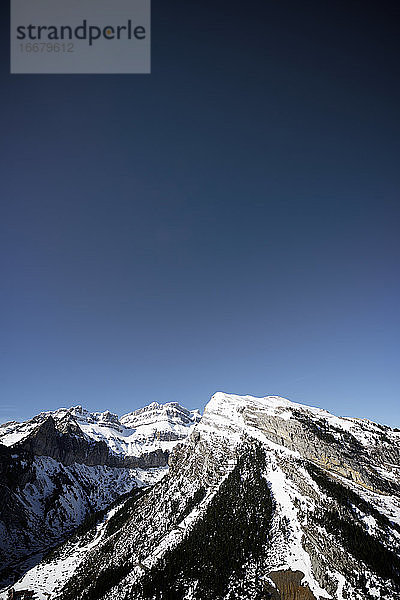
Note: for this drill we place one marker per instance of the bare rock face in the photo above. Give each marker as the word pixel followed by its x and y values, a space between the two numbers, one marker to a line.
pixel 67 448
pixel 287 586
pixel 168 422
pixel 331 447
pixel 69 439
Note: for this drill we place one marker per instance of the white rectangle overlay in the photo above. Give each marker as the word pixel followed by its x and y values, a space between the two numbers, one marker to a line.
pixel 80 36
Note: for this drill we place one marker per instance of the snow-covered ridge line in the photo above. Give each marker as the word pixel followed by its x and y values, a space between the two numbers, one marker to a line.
pixel 155 427
pixel 231 406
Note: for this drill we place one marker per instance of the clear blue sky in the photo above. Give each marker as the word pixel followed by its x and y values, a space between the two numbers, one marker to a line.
pixel 230 222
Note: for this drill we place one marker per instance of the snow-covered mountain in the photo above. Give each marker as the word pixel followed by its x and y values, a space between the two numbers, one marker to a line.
pixel 142 431
pixel 62 467
pixel 264 499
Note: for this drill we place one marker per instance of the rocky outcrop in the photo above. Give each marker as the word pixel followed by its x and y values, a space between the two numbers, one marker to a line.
pixel 70 446
pixel 66 448
pixel 334 449
pixel 148 460
pixel 155 412
pixel 287 586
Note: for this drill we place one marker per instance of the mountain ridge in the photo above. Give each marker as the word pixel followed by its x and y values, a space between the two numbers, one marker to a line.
pixel 321 494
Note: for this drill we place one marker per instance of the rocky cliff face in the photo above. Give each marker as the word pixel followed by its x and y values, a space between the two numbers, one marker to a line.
pixel 264 499
pixel 70 446
pixel 352 448
pixel 66 446
pixel 76 435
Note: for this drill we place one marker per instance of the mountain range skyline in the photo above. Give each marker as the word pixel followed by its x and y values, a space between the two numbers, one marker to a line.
pixel 228 222
pixel 161 405
pixel 259 497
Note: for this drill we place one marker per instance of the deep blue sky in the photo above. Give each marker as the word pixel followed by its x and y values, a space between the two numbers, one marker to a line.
pixel 230 222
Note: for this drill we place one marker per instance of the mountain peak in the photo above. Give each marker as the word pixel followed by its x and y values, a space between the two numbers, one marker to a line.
pixel 153 427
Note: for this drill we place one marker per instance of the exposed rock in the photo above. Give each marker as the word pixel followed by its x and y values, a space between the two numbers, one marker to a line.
pixel 287 586
pixel 67 448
